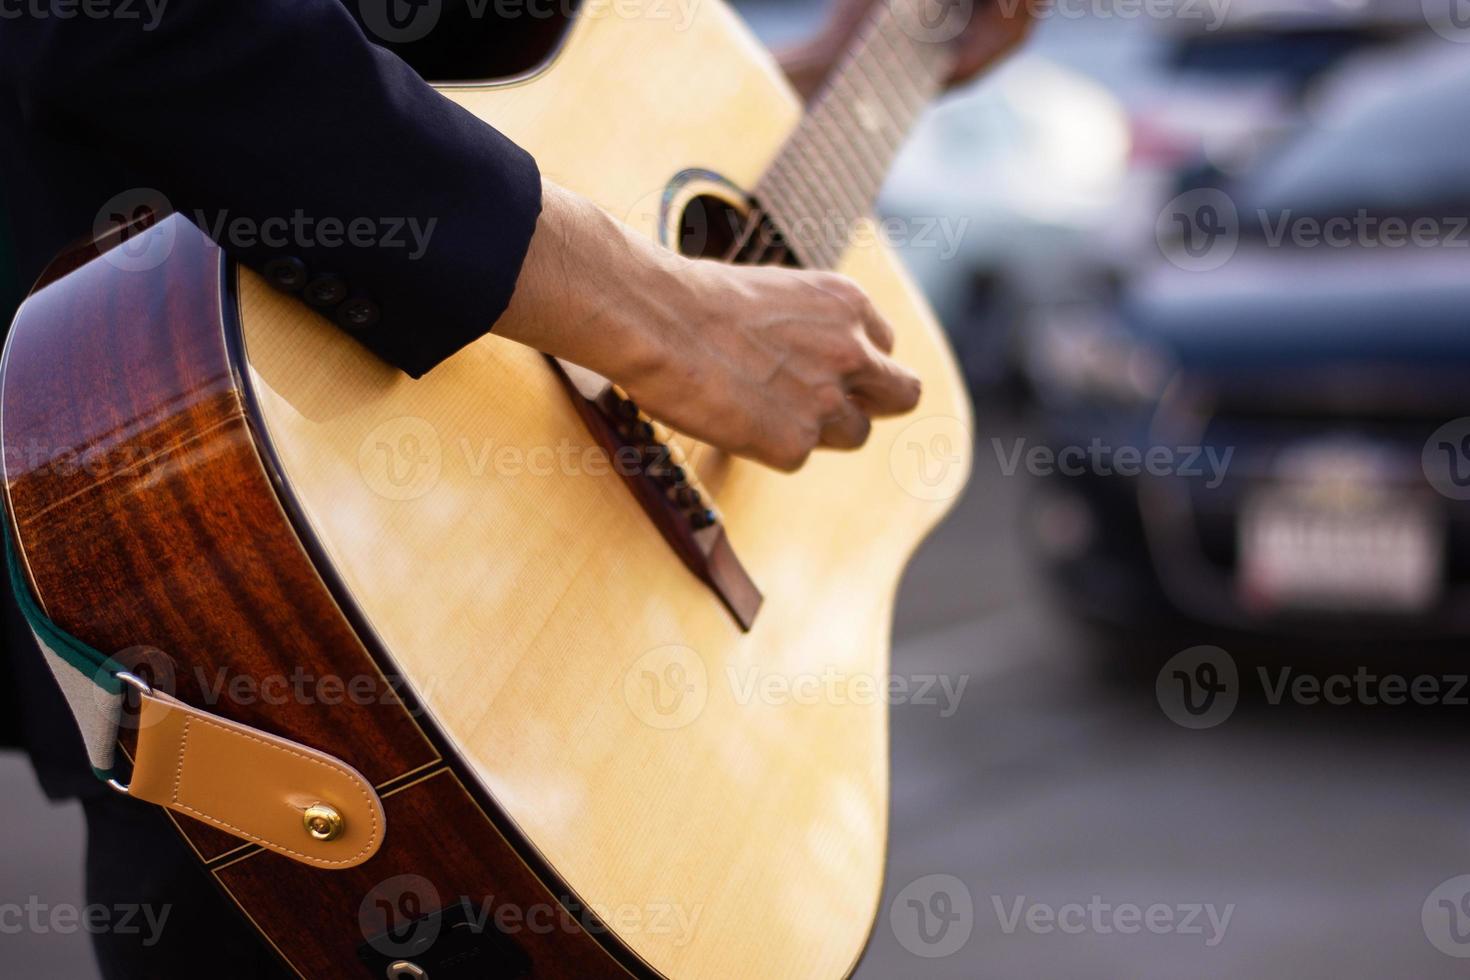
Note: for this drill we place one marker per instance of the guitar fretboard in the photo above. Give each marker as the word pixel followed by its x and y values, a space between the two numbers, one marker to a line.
pixel 828 175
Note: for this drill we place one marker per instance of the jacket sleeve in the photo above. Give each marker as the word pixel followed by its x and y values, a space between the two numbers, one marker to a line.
pixel 313 155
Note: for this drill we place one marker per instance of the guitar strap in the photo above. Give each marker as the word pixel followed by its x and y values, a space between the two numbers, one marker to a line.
pixel 260 787
pixel 89 679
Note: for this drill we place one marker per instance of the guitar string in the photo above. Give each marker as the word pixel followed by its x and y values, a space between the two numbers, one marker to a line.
pixel 782 210
pixel 877 58
pixel 796 145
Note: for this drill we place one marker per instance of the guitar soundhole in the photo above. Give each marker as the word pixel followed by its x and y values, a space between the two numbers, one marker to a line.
pixel 710 228
pixel 713 228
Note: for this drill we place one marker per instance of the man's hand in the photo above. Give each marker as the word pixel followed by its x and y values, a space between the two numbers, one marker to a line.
pixel 995 29
pixel 776 363
pixel 765 362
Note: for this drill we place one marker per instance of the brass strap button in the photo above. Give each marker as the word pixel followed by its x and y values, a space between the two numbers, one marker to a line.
pixel 323 822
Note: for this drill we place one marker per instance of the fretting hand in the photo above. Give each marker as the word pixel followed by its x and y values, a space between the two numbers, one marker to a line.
pixel 982 32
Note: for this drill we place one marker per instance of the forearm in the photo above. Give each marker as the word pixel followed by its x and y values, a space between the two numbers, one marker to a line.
pixel 593 291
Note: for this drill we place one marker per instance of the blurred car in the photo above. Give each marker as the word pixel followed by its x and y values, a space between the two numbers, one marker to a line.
pixel 1230 80
pixel 1017 171
pixel 1289 379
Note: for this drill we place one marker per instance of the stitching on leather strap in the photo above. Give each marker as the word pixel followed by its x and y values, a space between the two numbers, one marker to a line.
pixel 367 799
pixel 183 748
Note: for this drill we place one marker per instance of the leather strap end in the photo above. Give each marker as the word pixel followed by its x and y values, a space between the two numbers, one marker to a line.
pixel 253 785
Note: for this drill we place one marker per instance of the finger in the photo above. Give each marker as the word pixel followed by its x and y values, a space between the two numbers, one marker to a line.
pixel 878 329
pixel 885 387
pixel 875 327
pixel 992 35
pixel 850 431
pixel 780 441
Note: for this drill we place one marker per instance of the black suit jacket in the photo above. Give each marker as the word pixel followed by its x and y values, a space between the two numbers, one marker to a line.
pixel 312 153
pixel 307 144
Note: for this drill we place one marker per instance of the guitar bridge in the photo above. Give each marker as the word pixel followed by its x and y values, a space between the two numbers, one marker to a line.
pixel 665 485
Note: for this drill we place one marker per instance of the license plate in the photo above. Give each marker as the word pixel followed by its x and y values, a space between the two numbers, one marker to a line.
pixel 1385 555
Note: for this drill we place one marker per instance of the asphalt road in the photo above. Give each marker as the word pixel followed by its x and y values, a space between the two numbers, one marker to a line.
pixel 1056 823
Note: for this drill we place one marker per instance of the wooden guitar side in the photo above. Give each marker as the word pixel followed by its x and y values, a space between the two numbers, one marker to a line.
pixel 149 524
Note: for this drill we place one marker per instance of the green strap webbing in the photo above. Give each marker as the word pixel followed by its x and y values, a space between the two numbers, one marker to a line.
pixel 87 677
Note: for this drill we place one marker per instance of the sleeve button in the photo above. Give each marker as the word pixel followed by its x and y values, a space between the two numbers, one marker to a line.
pixel 326 291
pixel 286 274
pixel 359 314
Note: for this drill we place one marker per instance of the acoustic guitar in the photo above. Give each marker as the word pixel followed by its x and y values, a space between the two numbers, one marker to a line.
pixel 488 674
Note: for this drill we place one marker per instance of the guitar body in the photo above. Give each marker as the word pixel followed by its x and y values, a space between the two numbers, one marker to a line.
pixel 561 716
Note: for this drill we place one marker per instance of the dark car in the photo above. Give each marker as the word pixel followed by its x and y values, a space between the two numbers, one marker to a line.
pixel 1274 416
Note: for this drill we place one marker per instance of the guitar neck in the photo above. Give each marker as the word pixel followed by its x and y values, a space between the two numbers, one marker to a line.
pixel 828 175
